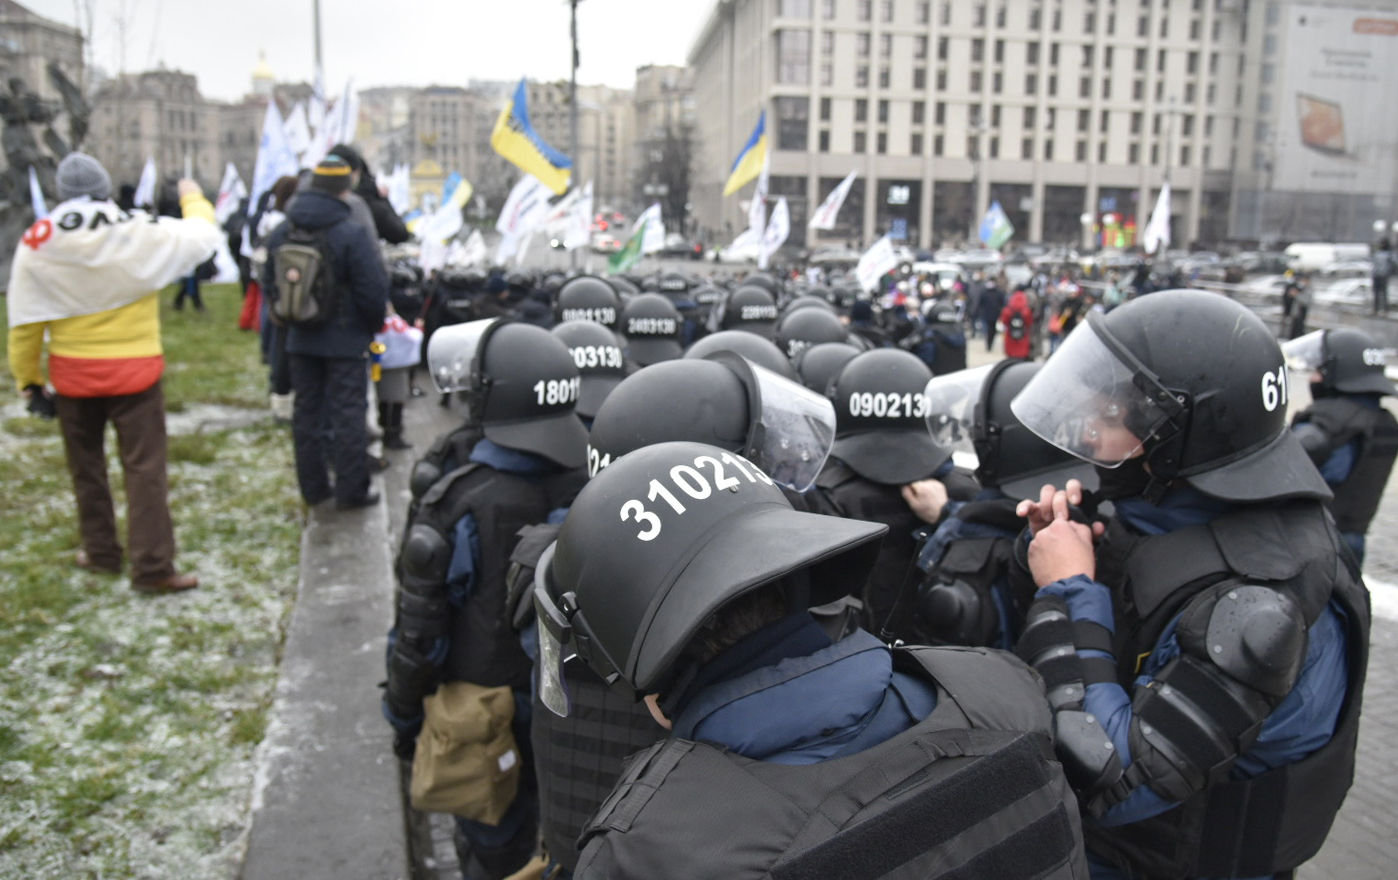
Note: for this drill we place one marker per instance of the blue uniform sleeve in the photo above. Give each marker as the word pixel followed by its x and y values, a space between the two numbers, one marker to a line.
pixel 1338 466
pixel 465 560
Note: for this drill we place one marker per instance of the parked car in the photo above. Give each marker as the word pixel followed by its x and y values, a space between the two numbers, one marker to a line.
pixel 605 243
pixel 679 247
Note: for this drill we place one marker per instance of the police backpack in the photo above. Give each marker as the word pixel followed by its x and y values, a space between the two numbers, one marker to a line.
pixel 1017 327
pixel 303 289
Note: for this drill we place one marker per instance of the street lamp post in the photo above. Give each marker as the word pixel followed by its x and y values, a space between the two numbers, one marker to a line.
pixel 1087 220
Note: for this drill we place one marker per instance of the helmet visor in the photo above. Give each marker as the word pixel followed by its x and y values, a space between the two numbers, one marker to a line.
pixel 554 630
pixel 1305 354
pixel 451 354
pixel 793 427
pixel 1090 403
pixel 951 406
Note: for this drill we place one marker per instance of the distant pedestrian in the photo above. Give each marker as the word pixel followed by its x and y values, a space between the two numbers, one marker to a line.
pixel 89 280
pixel 1383 267
pixel 1298 297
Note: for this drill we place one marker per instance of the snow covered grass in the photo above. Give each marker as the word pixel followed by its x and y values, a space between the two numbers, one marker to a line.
pixel 128 724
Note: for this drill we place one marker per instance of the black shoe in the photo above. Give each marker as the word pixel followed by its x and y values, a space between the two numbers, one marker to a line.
pixel 368 499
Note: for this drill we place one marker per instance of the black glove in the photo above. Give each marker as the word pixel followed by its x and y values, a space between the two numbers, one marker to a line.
pixel 404 744
pixel 40 402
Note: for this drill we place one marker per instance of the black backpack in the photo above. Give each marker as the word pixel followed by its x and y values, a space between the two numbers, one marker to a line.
pixel 303 292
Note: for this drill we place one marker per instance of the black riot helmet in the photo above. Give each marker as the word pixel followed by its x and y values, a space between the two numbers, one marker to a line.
pixel 597 355
pixel 1193 383
pixel 1348 361
pixel 588 298
pixel 818 364
pixel 519 380
pixel 809 301
pixel 673 284
pixel 756 349
pixel 970 410
pixel 651 325
pixel 799 330
pixel 750 309
pixel 762 280
pixel 657 543
pixel 624 286
pixel 726 401
pixel 882 414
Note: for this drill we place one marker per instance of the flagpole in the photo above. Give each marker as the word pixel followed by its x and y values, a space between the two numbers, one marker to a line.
pixel 315 5
pixel 573 118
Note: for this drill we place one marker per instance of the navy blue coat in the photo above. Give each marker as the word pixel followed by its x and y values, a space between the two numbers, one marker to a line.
pixel 359 276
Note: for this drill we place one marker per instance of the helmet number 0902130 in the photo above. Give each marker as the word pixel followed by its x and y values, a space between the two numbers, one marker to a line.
pixel 692 482
pixel 1274 389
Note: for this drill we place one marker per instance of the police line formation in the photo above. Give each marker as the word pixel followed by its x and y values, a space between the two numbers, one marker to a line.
pixel 698 588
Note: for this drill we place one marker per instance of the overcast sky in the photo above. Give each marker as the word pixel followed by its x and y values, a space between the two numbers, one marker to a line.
pixel 386 42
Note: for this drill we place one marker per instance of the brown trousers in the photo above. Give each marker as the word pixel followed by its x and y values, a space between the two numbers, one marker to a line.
pixel 139 420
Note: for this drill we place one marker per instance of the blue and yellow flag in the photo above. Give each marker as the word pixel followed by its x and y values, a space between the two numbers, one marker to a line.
pixel 517 141
pixel 748 165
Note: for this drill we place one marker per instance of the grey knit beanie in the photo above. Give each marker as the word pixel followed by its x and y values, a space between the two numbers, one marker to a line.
pixel 81 175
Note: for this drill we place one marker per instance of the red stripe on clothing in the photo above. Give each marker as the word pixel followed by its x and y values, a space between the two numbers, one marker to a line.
pixel 104 377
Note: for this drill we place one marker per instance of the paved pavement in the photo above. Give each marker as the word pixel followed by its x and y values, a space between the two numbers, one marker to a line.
pixel 328 803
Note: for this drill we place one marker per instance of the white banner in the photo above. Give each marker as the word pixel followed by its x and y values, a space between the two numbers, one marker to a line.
pixel 824 216
pixel 231 193
pixel 778 228
pixel 298 130
pixel 399 194
pixel 655 229
pixel 145 187
pixel 578 232
pixel 275 157
pixel 878 261
pixel 36 195
pixel 526 205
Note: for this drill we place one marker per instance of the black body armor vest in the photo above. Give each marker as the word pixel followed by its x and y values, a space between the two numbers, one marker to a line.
pixel 839 491
pixel 970 791
pixel 1275 821
pixel 484 647
pixel 1342 420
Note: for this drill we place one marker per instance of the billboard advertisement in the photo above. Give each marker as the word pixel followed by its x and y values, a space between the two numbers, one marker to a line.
pixel 1337 79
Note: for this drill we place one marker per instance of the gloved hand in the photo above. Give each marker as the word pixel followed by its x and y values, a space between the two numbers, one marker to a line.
pixel 404 744
pixel 40 401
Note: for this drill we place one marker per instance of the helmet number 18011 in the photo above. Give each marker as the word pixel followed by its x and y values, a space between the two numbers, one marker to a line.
pixel 1274 389
pixel 693 483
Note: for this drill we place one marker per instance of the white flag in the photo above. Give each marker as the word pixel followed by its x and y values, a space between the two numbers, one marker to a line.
pixel 315 113
pixel 36 196
pixel 1157 234
pixel 824 216
pixel 347 115
pixel 399 195
pixel 275 157
pixel 231 193
pixel 579 230
pixel 298 129
pixel 748 244
pixel 473 252
pixel 145 187
pixel 526 206
pixel 877 261
pixel 655 229
pixel 778 228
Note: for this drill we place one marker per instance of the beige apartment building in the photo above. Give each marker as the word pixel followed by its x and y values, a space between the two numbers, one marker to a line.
pixel 1070 113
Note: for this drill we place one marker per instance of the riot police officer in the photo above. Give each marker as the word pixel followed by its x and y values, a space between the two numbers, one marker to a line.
pixel 882 459
pixel 755 348
pixel 588 298
pixel 522 384
pixel 651 325
pixel 748 308
pixel 819 364
pixel 1346 430
pixel 729 661
pixel 802 328
pixel 599 359
pixel 1205 649
pixel 964 596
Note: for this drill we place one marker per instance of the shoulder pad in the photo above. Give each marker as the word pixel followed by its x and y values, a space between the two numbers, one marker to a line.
pixel 425 473
pixel 1258 636
pixel 443 485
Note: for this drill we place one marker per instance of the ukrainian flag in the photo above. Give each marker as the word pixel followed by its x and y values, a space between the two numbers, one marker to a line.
pixel 748 165
pixel 517 141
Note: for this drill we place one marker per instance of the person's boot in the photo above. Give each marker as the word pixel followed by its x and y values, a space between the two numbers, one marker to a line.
pixel 393 428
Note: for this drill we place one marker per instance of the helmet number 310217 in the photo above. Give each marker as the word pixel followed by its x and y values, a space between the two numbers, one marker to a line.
pixel 1274 389
pixel 692 482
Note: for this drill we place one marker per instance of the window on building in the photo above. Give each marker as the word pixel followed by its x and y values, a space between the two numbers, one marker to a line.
pixel 978 15
pixel 1084 119
pixel 1048 149
pixel 882 142
pixel 885 45
pixel 1026 148
pixel 862 43
pixel 1085 87
pixel 861 142
pixel 1080 154
pixel 1031 54
pixel 915 147
pixel 1106 88
pixel 1191 63
pixel 1036 18
pixel 975 81
pixel 824 141
pixel 1143 26
pixel 1133 154
pixel 940 113
pixel 1089 22
pixel 794 57
pixel 937 143
pixel 1136 119
pixel 1111 23
pixel 1160 90
pixel 1189 92
pixel 1057 21
pixel 1053 54
pixel 794 8
pixel 1210 93
pixel 885 77
pixel 1030 113
pixel 1164 26
pixel 1184 156
pixel 793 117
pixel 919 112
pixel 827 9
pixel 1104 121
pixel 1187 124
pixel 1138 90
pixel 861 76
pixel 1194 29
pixel 920 46
pixel 1140 59
pixel 995 116
pixel 883 111
pixel 1087 56
pixel 977 50
pixel 1031 83
pixel 886 10
pixel 861 110
pixel 995 148
pixel 1155 154
pixel 864 9
pixel 922 12
pixel 997 82
pixel 919 78
pixel 1102 151
pixel 999 51
pixel 973 146
pixel 827 42
pixel 827 74
pixel 1208 126
pixel 825 109
pixel 944 15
